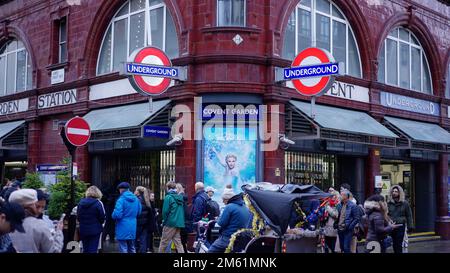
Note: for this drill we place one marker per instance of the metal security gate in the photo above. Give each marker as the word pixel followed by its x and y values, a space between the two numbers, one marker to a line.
pixel 309 168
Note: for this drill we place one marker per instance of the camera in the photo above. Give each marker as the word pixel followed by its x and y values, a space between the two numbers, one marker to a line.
pixel 284 141
pixel 176 140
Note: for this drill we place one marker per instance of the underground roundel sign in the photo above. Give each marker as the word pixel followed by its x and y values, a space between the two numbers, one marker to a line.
pixel 150 71
pixel 77 131
pixel 312 71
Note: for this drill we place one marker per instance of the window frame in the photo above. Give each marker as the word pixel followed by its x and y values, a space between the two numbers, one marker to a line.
pixel 411 45
pixel 62 43
pixel 348 32
pixel 147 32
pixel 5 55
pixel 231 10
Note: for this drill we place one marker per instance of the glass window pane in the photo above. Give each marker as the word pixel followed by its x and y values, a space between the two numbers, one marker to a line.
pixel 238 10
pixel 171 37
pixel 137 31
pixel 323 6
pixel 3 49
pixel 104 65
pixel 381 65
pixel 10 73
pixel 404 34
pixel 339 41
pixel 20 45
pixel 304 30
pixel 2 75
pixel 404 65
pixel 29 72
pixel 415 69
pixel 120 43
pixel 223 12
pixel 63 53
pixel 337 13
pixel 156 25
pixel 155 2
pixel 354 67
pixel 21 69
pixel 306 3
pixel 414 40
pixel 391 61
pixel 62 31
pixel 394 33
pixel 123 10
pixel 426 76
pixel 289 39
pixel 137 5
pixel 323 32
pixel 11 46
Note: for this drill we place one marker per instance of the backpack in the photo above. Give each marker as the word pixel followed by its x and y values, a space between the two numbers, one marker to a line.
pixel 363 225
pixel 212 207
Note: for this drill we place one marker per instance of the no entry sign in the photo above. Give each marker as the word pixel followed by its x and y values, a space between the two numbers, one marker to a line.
pixel 312 71
pixel 150 71
pixel 77 131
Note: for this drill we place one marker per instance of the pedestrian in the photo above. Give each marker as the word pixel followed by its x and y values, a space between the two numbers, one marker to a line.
pixel 143 220
pixel 199 206
pixel 41 206
pixel 332 215
pixel 379 223
pixel 125 214
pixel 11 219
pixel 348 218
pixel 213 207
pixel 16 185
pixel 400 213
pixel 109 200
pixel 153 227
pixel 356 231
pixel 37 237
pixel 187 223
pixel 234 217
pixel 91 218
pixel 173 219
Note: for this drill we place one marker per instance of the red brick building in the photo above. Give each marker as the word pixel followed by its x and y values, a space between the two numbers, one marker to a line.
pixel 59 59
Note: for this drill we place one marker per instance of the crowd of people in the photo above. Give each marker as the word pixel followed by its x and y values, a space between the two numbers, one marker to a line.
pixel 131 219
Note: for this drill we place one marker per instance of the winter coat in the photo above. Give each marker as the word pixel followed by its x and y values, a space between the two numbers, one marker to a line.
pixel 6 245
pixel 333 214
pixel 199 207
pixel 378 228
pixel 400 212
pixel 143 220
pixel 173 210
pixel 91 216
pixel 352 216
pixel 234 217
pixel 37 237
pixel 125 213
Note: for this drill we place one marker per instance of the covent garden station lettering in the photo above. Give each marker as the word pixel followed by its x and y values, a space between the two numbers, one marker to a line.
pixel 58 98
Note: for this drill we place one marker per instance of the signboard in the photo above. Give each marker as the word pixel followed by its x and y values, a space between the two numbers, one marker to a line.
pixel 48 172
pixel 409 104
pixel 378 182
pixel 150 71
pixel 57 76
pixel 12 107
pixel 156 131
pixel 230 112
pixel 312 71
pixel 57 99
pixel 77 131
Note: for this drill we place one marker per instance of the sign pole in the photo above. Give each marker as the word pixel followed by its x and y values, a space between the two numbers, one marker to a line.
pixel 72 182
pixel 313 105
pixel 150 104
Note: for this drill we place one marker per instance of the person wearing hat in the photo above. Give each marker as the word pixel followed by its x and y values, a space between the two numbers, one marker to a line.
pixel 212 206
pixel 11 218
pixel 234 217
pixel 37 237
pixel 125 213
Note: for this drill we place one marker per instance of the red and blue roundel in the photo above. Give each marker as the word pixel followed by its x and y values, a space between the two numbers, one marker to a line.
pixel 150 85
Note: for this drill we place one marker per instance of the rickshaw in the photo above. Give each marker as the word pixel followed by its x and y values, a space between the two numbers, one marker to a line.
pixel 273 207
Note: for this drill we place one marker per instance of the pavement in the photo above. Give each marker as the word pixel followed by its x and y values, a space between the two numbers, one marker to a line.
pixel 432 246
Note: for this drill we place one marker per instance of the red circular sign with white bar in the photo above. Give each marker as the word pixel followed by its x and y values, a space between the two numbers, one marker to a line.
pixel 317 85
pixel 77 131
pixel 150 85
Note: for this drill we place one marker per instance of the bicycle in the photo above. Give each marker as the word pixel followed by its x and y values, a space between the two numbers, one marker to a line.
pixel 201 245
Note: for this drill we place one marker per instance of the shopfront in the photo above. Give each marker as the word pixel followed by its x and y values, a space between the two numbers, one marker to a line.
pixel 13 149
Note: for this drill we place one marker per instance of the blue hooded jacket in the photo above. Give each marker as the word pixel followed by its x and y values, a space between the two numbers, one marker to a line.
pixel 127 209
pixel 91 215
pixel 199 208
pixel 234 217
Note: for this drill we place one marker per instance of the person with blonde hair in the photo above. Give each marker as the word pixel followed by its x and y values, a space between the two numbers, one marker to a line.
pixel 91 216
pixel 143 220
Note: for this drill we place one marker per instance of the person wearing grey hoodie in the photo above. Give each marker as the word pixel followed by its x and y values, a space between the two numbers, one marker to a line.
pixel 400 213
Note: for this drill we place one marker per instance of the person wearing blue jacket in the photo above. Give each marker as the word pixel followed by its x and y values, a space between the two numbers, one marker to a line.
pixel 125 213
pixel 234 217
pixel 348 218
pixel 91 216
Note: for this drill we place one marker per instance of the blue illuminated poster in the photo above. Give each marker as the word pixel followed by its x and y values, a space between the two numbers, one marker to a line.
pixel 229 158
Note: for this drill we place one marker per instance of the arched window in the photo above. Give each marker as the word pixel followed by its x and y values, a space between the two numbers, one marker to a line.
pixel 137 24
pixel 15 68
pixel 402 62
pixel 320 23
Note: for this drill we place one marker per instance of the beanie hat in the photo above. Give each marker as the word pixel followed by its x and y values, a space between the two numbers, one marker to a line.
pixel 23 197
pixel 227 194
pixel 123 185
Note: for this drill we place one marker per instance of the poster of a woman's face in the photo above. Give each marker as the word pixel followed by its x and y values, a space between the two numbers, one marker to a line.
pixel 229 155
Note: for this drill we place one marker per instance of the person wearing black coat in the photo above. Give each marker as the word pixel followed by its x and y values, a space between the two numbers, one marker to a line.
pixel 143 220
pixel 153 226
pixel 91 216
pixel 379 224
